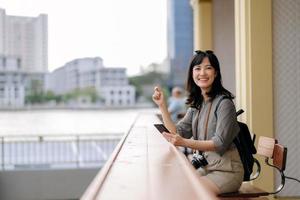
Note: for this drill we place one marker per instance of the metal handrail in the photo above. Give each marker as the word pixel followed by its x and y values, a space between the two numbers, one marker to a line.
pixel 34 150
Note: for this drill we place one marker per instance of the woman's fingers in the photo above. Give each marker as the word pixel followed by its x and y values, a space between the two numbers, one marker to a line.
pixel 157 93
pixel 175 139
pixel 156 96
pixel 157 88
pixel 170 137
pixel 165 134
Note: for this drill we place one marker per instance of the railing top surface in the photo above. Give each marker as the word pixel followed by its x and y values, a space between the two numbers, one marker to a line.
pixel 60 137
pixel 146 166
pixel 63 135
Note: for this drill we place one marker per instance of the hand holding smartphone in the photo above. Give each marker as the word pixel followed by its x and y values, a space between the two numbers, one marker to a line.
pixel 161 128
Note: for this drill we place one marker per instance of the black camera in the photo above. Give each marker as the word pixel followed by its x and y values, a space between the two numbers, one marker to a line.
pixel 199 160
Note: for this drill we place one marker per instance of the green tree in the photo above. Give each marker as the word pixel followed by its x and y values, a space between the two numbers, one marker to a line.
pixel 148 80
pixel 35 92
pixel 76 93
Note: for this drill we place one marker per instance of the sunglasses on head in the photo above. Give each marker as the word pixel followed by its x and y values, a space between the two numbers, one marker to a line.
pixel 204 52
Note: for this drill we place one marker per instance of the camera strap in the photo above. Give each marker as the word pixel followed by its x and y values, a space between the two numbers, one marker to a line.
pixel 206 125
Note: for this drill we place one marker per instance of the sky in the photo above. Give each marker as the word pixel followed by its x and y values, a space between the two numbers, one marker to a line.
pixel 125 33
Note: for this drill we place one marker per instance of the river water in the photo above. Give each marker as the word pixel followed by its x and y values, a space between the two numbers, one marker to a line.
pixel 60 122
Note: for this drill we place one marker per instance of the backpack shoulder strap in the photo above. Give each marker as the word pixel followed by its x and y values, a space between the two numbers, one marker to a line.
pixel 218 104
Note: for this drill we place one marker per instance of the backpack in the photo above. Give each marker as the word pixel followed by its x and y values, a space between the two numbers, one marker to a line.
pixel 244 144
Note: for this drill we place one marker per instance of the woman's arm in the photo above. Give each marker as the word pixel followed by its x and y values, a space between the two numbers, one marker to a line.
pixel 227 126
pixel 201 145
pixel 167 119
pixel 158 98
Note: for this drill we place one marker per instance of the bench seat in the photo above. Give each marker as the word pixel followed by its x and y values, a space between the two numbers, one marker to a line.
pixel 246 190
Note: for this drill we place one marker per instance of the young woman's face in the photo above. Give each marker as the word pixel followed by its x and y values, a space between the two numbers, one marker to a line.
pixel 204 75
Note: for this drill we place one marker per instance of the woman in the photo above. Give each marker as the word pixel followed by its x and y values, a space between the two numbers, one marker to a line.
pixel 207 127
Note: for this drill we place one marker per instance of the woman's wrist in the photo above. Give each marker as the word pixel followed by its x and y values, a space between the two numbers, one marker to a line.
pixel 185 142
pixel 191 143
pixel 162 106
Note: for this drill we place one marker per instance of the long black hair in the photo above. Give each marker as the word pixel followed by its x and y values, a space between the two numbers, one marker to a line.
pixel 195 97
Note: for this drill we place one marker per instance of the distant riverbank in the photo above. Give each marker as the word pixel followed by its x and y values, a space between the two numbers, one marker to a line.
pixel 77 107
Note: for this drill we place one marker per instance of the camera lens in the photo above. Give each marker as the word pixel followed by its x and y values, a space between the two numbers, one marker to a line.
pixel 198 161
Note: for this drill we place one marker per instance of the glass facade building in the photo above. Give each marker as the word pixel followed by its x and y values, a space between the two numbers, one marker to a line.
pixel 180 40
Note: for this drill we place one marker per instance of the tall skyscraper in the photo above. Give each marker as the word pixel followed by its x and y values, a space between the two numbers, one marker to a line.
pixel 25 38
pixel 180 40
pixel 23 56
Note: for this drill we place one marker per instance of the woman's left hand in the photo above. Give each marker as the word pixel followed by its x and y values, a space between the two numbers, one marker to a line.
pixel 175 139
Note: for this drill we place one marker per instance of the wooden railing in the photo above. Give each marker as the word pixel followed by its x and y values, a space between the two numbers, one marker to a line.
pixel 144 166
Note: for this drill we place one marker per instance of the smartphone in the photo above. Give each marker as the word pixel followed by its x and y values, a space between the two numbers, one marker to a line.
pixel 161 128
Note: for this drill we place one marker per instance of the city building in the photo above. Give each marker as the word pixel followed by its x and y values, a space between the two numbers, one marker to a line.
pixel 12 83
pixel 23 56
pixel 25 38
pixel 179 40
pixel 111 84
pixel 16 83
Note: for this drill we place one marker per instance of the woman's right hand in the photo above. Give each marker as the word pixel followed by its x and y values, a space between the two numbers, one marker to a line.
pixel 158 96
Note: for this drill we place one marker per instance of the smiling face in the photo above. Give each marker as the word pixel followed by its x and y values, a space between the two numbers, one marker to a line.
pixel 204 75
